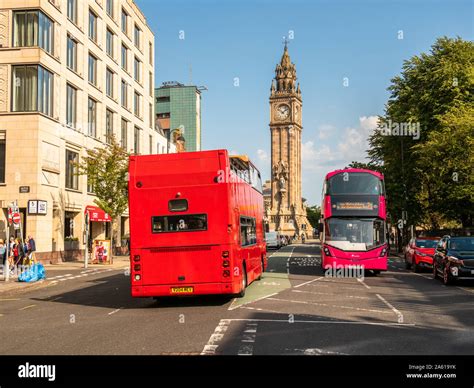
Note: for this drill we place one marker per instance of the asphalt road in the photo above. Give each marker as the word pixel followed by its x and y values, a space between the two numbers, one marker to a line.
pixel 294 309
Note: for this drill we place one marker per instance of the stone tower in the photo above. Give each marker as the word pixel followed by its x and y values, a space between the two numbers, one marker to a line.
pixel 287 213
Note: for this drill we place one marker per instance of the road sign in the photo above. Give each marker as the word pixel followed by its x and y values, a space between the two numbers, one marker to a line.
pixel 16 218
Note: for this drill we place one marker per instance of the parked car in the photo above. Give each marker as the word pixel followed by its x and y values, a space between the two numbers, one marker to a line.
pixel 454 259
pixel 419 253
pixel 273 240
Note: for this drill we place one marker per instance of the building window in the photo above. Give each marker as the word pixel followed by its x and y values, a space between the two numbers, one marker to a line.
pixel 71 53
pixel 150 81
pixel 124 22
pixel 72 177
pixel 32 90
pixel 92 69
pixel 136 104
pixel 163 99
pixel 150 115
pixel 109 125
pixel 150 144
pixel 33 28
pixel 150 52
pixel 136 140
pixel 92 26
pixel 69 224
pixel 72 10
pixel 109 43
pixel 165 115
pixel 124 94
pixel 124 134
pixel 92 117
pixel 137 69
pixel 136 36
pixel 110 8
pixel 71 103
pixel 109 83
pixel 3 154
pixel 124 58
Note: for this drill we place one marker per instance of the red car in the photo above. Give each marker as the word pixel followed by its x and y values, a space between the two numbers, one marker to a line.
pixel 419 253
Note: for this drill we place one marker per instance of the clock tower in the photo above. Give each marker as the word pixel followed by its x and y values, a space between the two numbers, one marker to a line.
pixel 287 212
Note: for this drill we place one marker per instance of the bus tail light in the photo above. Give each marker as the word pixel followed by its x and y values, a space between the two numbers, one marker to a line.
pixel 226 273
pixel 137 277
pixel 326 251
pixel 225 254
pixel 137 267
pixel 226 263
pixel 136 258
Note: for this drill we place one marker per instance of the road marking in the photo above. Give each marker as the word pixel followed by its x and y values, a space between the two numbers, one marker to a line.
pixel 211 346
pixel 60 276
pixel 364 284
pixel 466 289
pixel 320 322
pixel 398 313
pixel 419 274
pixel 249 336
pixel 316 352
pixel 232 307
pixel 115 311
pixel 7 300
pixel 330 305
pixel 27 307
pixel 311 281
pixel 288 261
pixel 331 294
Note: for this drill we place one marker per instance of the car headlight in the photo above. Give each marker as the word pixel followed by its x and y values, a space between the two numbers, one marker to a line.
pixel 455 260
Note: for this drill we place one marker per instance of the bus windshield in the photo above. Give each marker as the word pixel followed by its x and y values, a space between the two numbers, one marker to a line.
pixel 355 234
pixel 355 183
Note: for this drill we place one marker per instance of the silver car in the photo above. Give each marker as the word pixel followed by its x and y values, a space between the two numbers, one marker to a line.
pixel 273 240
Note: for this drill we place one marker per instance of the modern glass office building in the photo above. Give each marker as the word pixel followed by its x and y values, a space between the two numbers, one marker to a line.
pixel 178 106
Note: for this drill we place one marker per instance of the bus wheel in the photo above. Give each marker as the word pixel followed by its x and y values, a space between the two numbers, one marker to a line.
pixel 241 294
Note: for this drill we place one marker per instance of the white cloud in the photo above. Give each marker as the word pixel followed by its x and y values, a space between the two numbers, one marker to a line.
pixel 262 155
pixel 325 131
pixel 368 123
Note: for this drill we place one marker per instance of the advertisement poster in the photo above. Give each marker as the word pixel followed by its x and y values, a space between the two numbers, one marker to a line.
pixel 101 252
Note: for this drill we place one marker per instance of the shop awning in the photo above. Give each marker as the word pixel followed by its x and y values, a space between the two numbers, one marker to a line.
pixel 96 214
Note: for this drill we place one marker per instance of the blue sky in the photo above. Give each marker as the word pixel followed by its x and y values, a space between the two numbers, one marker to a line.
pixel 228 39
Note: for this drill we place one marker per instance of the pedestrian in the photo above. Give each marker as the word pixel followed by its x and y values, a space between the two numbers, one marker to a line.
pixel 31 248
pixel 3 256
pixel 11 256
pixel 18 252
pixel 303 238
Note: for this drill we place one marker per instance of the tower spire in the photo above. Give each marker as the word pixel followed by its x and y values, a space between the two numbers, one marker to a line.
pixel 285 73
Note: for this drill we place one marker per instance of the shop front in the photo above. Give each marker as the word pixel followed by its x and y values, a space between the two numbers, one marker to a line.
pixel 97 231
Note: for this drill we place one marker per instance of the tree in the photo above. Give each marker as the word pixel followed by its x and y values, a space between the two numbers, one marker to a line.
pixel 313 214
pixel 366 166
pixel 106 169
pixel 435 93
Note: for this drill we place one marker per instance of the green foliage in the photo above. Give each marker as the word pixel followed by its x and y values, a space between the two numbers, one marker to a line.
pixel 366 166
pixel 313 214
pixel 436 91
pixel 106 169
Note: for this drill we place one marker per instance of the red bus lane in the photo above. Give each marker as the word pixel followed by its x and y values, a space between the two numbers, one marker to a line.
pixel 196 224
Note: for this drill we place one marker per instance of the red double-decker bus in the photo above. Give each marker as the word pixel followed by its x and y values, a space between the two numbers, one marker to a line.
pixel 196 224
pixel 354 220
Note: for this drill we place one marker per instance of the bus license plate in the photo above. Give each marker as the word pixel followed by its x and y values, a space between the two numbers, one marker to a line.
pixel 182 290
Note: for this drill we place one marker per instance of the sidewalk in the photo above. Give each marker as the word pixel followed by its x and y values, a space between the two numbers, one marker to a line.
pixel 13 285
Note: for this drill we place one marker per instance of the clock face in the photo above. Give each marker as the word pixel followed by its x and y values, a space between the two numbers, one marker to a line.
pixel 283 112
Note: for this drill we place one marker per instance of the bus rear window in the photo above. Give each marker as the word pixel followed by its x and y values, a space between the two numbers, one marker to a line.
pixel 183 223
pixel 178 205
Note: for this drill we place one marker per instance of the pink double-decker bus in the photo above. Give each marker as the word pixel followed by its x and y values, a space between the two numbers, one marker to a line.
pixel 354 230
